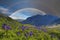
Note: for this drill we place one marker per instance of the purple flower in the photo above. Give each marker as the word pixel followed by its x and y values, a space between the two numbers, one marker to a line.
pixel 6 27
pixel 3 25
pixel 18 33
pixel 24 27
pixel 31 33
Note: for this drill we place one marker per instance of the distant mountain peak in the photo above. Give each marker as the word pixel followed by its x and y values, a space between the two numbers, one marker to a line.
pixel 39 20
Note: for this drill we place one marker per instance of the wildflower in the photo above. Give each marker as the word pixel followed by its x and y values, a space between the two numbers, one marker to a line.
pixel 6 27
pixel 3 25
pixel 31 33
pixel 23 28
pixel 18 33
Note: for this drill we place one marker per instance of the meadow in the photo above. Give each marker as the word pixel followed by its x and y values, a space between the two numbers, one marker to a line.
pixel 13 30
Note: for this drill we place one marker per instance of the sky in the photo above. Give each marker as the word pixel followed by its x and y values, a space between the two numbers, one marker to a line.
pixel 26 12
pixel 48 6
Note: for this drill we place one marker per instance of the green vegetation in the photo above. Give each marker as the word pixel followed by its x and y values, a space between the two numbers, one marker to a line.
pixel 13 30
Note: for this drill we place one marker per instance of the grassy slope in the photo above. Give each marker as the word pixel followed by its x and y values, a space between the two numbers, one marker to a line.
pixel 27 32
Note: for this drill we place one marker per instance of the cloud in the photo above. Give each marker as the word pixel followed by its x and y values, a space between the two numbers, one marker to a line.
pixel 4 10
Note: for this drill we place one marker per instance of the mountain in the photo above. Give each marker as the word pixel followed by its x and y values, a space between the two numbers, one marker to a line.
pixel 13 30
pixel 57 21
pixel 19 20
pixel 8 14
pixel 39 20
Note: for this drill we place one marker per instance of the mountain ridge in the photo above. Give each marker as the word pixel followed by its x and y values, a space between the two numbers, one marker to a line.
pixel 39 20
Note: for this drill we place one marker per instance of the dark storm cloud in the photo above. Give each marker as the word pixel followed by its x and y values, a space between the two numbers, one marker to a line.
pixel 49 6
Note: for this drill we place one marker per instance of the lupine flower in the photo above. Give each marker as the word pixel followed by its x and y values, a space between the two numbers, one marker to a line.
pixel 18 33
pixel 8 27
pixel 23 28
pixel 31 33
pixel 4 26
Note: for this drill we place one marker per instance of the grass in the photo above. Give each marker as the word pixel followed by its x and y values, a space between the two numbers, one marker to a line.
pixel 19 31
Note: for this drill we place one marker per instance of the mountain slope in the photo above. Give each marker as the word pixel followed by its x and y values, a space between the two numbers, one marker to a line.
pixel 56 21
pixel 39 20
pixel 7 20
pixel 13 30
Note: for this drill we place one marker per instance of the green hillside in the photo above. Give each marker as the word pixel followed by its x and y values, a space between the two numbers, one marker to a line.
pixel 13 30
